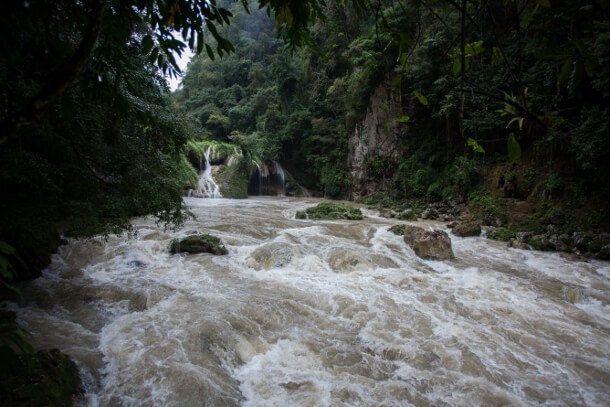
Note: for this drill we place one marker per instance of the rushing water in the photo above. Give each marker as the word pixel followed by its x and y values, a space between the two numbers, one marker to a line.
pixel 207 187
pixel 321 313
pixel 268 180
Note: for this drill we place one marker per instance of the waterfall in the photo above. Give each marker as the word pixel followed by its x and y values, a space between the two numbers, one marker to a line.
pixel 267 181
pixel 280 178
pixel 207 187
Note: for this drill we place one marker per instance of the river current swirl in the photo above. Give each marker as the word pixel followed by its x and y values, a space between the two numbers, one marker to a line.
pixel 321 313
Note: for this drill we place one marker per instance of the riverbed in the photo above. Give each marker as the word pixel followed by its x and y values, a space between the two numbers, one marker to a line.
pixel 321 313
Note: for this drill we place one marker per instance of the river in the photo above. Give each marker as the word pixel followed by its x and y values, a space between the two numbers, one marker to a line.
pixel 321 313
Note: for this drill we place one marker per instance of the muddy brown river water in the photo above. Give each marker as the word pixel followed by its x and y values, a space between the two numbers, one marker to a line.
pixel 321 313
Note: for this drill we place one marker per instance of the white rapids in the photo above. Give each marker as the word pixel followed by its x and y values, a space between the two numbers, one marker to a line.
pixel 321 313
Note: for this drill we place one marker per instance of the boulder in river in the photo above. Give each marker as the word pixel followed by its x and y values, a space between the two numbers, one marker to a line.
pixel 330 210
pixel 272 255
pixel 198 244
pixel 429 244
pixel 345 261
pixel 465 229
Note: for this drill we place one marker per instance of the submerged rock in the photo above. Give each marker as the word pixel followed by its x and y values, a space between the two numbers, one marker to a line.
pixel 345 261
pixel 198 244
pixel 272 255
pixel 431 245
pixel 329 211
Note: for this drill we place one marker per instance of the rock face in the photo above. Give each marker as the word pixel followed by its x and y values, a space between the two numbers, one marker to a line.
pixel 467 229
pixel 198 244
pixel 431 245
pixel 374 138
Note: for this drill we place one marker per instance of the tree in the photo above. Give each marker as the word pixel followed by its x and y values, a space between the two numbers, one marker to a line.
pixel 83 115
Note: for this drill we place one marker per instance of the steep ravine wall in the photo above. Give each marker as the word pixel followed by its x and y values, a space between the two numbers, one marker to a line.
pixel 374 138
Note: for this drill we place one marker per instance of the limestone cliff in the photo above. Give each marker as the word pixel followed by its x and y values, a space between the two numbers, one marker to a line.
pixel 374 146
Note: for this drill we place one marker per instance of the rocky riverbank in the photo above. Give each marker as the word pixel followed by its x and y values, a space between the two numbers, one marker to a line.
pixel 536 232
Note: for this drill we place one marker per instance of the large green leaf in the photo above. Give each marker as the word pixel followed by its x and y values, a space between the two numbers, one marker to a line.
pixel 514 149
pixel 475 145
pixel 422 99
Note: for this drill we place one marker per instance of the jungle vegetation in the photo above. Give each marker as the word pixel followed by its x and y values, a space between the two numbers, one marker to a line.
pixel 86 113
pixel 90 134
pixel 520 88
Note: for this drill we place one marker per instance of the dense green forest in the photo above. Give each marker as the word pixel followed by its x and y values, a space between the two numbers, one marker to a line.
pixel 386 102
pixel 487 100
pixel 498 105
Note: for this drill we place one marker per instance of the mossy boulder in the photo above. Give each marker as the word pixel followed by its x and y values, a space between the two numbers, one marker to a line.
pixel 398 230
pixel 329 211
pixel 501 234
pixel 198 244
pixel 44 378
pixel 539 242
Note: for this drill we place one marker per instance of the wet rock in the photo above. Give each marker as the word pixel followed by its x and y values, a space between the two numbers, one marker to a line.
pixel 604 253
pixel 518 244
pixel 597 242
pixel 272 255
pixel 398 230
pixel 198 244
pixel 539 242
pixel 384 213
pixel 559 243
pixel 432 245
pixel 429 213
pixel 344 261
pixel 523 236
pixel 467 229
pixel 571 256
pixel 407 214
pixel 446 217
pixel 330 210
pixel 581 240
pixel 501 234
pixel 490 219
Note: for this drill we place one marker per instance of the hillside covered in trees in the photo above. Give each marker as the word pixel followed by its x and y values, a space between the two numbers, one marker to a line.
pixel 495 110
pixel 402 103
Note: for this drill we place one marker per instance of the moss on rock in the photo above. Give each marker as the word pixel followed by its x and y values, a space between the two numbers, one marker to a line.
pixel 233 180
pixel 330 211
pixel 398 230
pixel 198 244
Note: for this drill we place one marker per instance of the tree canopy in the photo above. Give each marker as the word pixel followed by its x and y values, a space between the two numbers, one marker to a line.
pixel 87 135
pixel 85 115
pixel 472 82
